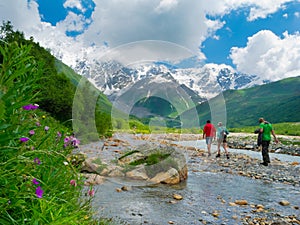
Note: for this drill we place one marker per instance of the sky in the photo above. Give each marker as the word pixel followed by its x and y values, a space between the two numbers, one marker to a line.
pixel 260 37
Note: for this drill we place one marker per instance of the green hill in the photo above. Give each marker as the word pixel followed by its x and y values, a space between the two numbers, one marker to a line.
pixel 54 86
pixel 277 102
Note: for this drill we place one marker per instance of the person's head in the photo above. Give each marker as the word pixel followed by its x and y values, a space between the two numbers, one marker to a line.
pixel 261 120
pixel 208 121
pixel 220 124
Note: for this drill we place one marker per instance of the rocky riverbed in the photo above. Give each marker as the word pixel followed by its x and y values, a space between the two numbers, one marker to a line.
pixel 278 173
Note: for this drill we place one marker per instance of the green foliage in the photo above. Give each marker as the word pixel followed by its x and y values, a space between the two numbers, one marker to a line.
pixel 17 88
pixel 38 183
pixel 152 159
pixel 291 128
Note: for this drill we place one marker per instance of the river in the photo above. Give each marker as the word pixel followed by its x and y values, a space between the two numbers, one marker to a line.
pixel 206 197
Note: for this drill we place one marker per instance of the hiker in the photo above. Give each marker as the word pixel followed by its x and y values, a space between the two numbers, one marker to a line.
pixel 209 133
pixel 266 129
pixel 222 133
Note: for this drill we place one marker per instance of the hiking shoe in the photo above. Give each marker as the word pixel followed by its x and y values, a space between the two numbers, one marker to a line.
pixel 227 156
pixel 218 156
pixel 264 163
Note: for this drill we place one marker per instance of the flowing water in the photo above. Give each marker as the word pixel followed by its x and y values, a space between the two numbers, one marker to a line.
pixel 203 193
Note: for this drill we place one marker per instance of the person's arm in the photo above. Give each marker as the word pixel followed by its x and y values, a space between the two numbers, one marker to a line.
pixel 261 128
pixel 275 138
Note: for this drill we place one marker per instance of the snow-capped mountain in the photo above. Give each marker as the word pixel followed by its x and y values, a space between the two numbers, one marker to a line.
pixel 204 82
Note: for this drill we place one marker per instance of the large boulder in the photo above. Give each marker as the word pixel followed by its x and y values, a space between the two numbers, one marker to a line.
pixel 163 164
pixel 156 164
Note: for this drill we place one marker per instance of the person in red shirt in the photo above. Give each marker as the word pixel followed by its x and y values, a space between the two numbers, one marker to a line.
pixel 209 133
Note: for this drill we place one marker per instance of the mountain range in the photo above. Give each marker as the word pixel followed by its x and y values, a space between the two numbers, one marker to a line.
pixel 201 83
pixel 159 91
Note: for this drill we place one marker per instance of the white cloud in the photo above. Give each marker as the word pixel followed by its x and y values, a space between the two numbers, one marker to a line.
pixel 166 5
pixel 73 22
pixel 297 14
pixel 118 22
pixel 269 56
pixel 74 4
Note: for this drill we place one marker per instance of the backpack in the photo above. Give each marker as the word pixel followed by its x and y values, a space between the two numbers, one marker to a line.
pixel 224 133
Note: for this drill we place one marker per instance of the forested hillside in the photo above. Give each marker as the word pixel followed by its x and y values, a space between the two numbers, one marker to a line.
pixel 277 102
pixel 55 83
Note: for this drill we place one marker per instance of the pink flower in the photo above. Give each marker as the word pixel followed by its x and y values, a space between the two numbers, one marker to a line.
pixel 91 192
pixel 46 128
pixel 38 124
pixel 31 132
pixel 73 183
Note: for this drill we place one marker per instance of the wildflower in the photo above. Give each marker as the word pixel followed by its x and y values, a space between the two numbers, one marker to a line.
pixel 39 192
pixel 34 181
pixel 31 132
pixel 24 139
pixel 27 107
pixel 38 124
pixel 58 134
pixel 35 106
pixel 30 107
pixel 37 161
pixel 46 128
pixel 75 142
pixel 91 192
pixel 43 116
pixel 73 183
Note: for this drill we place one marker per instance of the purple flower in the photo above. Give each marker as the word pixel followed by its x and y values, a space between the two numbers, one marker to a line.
pixel 67 139
pixel 58 134
pixel 46 128
pixel 35 106
pixel 39 192
pixel 27 107
pixel 75 142
pixel 31 132
pixel 30 107
pixel 37 161
pixel 34 181
pixel 24 139
pixel 38 124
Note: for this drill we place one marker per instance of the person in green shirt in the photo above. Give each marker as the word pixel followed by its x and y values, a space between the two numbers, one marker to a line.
pixel 266 129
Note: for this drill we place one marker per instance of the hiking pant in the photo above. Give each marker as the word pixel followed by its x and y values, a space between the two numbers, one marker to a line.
pixel 265 151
